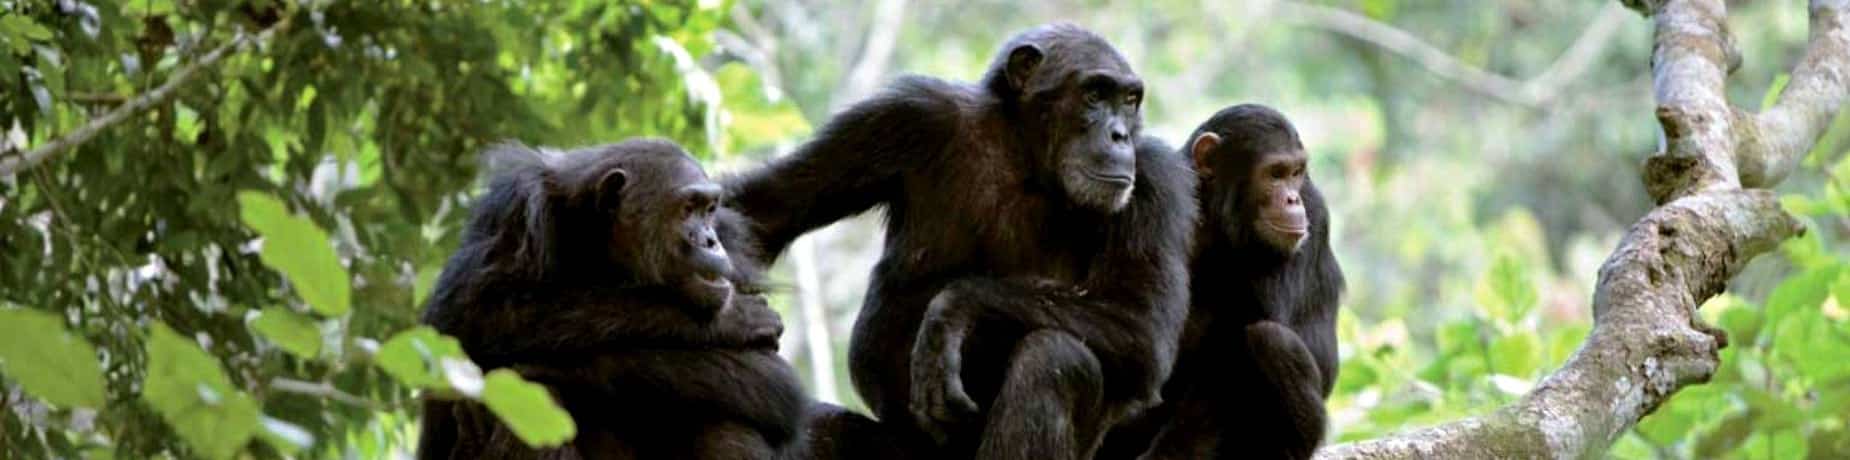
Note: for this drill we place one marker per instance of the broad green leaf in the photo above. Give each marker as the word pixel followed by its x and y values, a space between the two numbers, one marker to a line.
pixel 1742 324
pixel 290 331
pixel 188 388
pixel 1804 205
pixel 1516 354
pixel 48 361
pixel 1805 290
pixel 17 26
pixel 1509 279
pixel 528 409
pixel 1564 341
pixel 1458 337
pixel 415 357
pixel 426 280
pixel 298 249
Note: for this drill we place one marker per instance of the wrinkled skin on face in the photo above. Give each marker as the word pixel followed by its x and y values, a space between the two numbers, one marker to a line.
pixel 674 227
pixel 1084 107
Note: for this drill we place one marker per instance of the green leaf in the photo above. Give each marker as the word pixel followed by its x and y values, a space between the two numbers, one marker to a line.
pixel 528 409
pixel 1516 354
pixel 1509 279
pixel 415 357
pixel 1742 324
pixel 1805 290
pixel 290 331
pixel 298 249
pixel 17 26
pixel 426 280
pixel 1773 90
pixel 188 388
pixel 48 361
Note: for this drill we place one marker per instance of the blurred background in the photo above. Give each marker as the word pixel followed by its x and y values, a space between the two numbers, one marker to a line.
pixel 267 234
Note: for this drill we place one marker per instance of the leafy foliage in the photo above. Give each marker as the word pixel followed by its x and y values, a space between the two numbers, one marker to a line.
pixel 282 217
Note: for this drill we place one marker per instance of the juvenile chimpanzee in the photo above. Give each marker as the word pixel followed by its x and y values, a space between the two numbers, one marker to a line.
pixel 1259 351
pixel 602 274
pixel 1034 279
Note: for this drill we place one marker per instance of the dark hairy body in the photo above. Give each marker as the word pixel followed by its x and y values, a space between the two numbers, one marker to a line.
pixel 1259 351
pixel 1034 278
pixel 604 274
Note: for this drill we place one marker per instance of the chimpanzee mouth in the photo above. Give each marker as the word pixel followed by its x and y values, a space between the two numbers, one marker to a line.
pixel 1291 231
pixel 1120 180
pixel 713 280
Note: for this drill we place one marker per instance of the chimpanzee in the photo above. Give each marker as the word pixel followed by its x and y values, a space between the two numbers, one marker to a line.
pixel 1034 280
pixel 1259 350
pixel 602 273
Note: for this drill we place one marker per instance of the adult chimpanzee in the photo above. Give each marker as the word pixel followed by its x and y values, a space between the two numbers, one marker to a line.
pixel 1259 351
pixel 602 273
pixel 1025 214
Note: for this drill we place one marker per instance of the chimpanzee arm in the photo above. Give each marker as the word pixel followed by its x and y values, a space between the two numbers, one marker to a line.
pixel 754 387
pixel 851 165
pixel 526 328
pixel 1129 311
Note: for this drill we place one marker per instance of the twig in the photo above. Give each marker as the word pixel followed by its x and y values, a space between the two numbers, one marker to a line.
pixel 1535 92
pixel 13 161
pixel 320 389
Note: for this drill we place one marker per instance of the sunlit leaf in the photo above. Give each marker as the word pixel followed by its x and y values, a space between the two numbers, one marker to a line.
pixel 291 331
pixel 528 409
pixel 189 389
pixel 48 361
pixel 298 249
pixel 1516 354
pixel 1805 290
pixel 415 357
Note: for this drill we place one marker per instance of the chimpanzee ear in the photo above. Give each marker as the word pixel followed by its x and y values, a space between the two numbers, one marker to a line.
pixel 1022 62
pixel 1202 148
pixel 610 187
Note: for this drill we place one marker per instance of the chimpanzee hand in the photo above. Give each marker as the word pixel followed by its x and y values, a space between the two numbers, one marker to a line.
pixel 938 398
pixel 748 322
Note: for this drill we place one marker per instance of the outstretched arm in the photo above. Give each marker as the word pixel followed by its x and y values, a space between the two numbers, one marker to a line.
pixel 851 165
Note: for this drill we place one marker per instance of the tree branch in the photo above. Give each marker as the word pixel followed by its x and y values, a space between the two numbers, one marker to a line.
pixel 12 161
pixel 1536 92
pixel 1781 135
pixel 320 390
pixel 1647 342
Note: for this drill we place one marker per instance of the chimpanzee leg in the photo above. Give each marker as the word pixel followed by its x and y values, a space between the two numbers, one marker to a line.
pixel 1294 384
pixel 1049 406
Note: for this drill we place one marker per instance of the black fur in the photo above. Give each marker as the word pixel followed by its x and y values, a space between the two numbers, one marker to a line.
pixel 575 271
pixel 1004 216
pixel 1259 352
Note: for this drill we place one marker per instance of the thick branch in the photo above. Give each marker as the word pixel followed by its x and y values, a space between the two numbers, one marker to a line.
pixel 1646 342
pixel 12 162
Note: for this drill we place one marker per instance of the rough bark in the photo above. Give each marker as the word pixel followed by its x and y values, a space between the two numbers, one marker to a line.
pixel 1647 341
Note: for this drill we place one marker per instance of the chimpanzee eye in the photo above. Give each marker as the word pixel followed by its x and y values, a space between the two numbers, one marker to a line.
pixel 1132 99
pixel 1093 96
